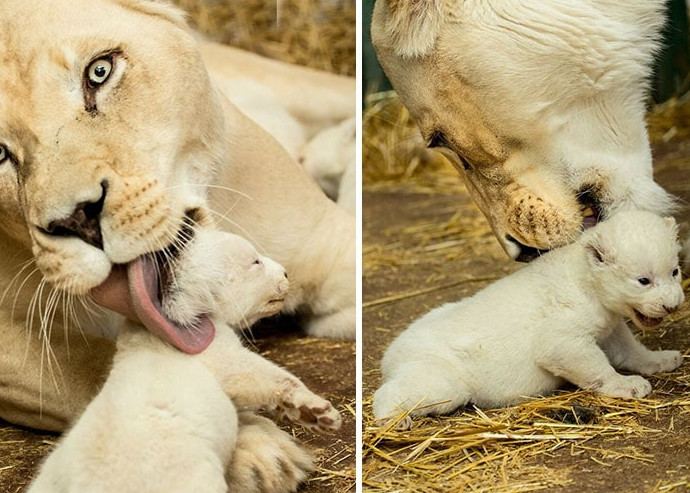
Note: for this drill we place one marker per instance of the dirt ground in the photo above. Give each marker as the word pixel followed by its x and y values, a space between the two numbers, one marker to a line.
pixel 425 243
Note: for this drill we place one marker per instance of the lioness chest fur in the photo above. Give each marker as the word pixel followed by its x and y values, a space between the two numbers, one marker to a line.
pixel 166 421
pixel 560 318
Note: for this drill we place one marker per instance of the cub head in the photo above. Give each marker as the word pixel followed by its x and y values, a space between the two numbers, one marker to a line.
pixel 634 261
pixel 109 130
pixel 540 108
pixel 222 274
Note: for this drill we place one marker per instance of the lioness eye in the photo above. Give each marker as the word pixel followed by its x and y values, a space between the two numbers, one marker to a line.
pixel 675 272
pixel 4 155
pixel 257 262
pixel 99 71
pixel 438 140
pixel 644 281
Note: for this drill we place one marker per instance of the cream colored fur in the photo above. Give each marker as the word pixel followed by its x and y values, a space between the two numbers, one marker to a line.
pixel 560 318
pixel 156 141
pixel 536 103
pixel 166 421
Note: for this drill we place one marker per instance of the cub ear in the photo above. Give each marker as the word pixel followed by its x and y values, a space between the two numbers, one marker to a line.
pixel 410 26
pixel 157 8
pixel 596 253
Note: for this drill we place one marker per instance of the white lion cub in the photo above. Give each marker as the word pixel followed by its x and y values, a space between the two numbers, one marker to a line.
pixel 166 421
pixel 562 317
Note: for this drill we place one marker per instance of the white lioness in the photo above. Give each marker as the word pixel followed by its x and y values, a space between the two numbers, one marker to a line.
pixel 539 106
pixel 165 421
pixel 114 138
pixel 560 318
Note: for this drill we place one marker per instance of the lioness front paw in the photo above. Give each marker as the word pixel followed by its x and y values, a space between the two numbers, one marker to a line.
pixel 266 459
pixel 661 361
pixel 630 386
pixel 301 405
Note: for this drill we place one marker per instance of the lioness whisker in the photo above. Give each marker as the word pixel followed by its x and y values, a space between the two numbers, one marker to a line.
pixel 245 233
pixel 19 290
pixel 25 265
pixel 208 185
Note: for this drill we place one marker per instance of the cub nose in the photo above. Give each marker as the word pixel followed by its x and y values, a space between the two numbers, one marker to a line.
pixel 672 308
pixel 83 222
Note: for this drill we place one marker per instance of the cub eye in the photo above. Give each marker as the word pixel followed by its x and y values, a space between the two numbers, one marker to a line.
pixel 644 281
pixel 675 272
pixel 99 71
pixel 256 262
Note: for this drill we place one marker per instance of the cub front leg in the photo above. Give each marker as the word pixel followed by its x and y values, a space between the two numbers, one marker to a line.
pixel 627 353
pixel 253 383
pixel 577 358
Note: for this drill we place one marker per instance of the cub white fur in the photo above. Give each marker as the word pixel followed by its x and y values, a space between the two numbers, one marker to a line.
pixel 560 318
pixel 166 421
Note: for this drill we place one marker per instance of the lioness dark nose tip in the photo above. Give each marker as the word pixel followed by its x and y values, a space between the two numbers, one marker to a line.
pixel 83 222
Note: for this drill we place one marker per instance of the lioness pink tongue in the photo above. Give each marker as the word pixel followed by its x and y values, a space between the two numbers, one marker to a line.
pixel 132 290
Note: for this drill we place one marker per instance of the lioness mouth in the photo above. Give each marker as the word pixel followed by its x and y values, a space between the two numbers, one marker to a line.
pixel 647 321
pixel 136 289
pixel 590 208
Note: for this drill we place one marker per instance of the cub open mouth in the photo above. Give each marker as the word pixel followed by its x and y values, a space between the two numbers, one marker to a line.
pixel 136 289
pixel 647 321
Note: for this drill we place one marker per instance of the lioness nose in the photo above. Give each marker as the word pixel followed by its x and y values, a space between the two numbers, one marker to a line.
pixel 84 222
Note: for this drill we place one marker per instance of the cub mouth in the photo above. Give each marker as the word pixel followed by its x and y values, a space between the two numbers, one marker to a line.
pixel 646 321
pixel 136 290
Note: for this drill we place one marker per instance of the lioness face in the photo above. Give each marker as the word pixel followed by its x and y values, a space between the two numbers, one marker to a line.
pixel 108 130
pixel 540 109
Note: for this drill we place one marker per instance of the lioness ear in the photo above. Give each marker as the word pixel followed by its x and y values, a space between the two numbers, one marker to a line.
pixel 157 8
pixel 412 26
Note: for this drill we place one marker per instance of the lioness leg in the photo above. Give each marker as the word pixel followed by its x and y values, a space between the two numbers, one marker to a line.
pixel 266 459
pixel 280 209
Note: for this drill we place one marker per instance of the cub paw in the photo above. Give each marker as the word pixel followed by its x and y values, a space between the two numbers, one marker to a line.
pixel 630 386
pixel 661 361
pixel 266 459
pixel 301 405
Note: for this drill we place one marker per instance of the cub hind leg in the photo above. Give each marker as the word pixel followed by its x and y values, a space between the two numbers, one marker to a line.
pixel 421 389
